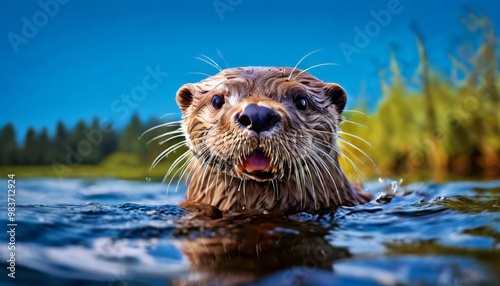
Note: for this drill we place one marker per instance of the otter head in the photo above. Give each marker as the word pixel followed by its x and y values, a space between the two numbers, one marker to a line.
pixel 263 124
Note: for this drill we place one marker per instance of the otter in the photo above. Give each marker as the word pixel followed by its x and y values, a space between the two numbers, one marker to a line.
pixel 265 138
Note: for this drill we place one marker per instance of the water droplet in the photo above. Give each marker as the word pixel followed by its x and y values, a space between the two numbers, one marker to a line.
pixel 148 179
pixel 395 185
pixel 139 138
pixel 381 180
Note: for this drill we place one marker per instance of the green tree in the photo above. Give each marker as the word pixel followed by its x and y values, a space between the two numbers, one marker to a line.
pixel 78 143
pixel 129 139
pixel 109 143
pixel 58 146
pixel 43 141
pixel 97 149
pixel 31 150
pixel 9 152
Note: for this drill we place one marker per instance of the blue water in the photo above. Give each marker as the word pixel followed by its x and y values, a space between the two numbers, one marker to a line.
pixel 114 232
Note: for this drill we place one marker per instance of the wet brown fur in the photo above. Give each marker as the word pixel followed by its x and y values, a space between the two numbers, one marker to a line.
pixel 305 173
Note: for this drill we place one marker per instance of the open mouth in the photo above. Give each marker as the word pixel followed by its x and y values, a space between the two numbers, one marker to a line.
pixel 257 164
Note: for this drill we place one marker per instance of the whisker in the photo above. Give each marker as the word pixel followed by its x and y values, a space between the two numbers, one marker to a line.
pixel 315 66
pixel 244 190
pixel 172 123
pixel 355 136
pixel 211 172
pixel 332 160
pixel 354 111
pixel 184 169
pixel 174 164
pixel 209 61
pixel 178 132
pixel 358 171
pixel 359 150
pixel 353 154
pixel 172 176
pixel 302 181
pixel 171 114
pixel 222 57
pixel 330 146
pixel 353 122
pixel 180 135
pixel 206 166
pixel 313 190
pixel 274 184
pixel 320 179
pixel 164 154
pixel 298 63
pixel 239 185
pixel 201 73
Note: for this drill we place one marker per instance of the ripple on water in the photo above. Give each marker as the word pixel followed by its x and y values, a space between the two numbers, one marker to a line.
pixel 107 231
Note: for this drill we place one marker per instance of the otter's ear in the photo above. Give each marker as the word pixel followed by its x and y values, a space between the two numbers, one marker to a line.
pixel 337 96
pixel 184 96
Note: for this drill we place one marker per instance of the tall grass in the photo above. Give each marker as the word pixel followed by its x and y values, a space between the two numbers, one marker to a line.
pixel 441 127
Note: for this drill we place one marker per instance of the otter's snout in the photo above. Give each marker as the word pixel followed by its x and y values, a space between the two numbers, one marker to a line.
pixel 258 118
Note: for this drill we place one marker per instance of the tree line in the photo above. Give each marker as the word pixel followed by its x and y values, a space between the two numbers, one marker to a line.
pixel 40 148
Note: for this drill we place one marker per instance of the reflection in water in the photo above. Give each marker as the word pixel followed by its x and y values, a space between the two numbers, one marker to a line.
pixel 244 247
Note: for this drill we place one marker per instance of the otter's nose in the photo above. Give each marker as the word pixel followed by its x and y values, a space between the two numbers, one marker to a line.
pixel 258 118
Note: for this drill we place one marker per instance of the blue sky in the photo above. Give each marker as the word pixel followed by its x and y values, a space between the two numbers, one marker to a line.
pixel 70 60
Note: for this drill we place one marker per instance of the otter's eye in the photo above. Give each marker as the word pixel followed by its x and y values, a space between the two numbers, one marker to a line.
pixel 301 103
pixel 217 102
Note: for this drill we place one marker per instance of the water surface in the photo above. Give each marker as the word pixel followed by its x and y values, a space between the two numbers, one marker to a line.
pixel 114 232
